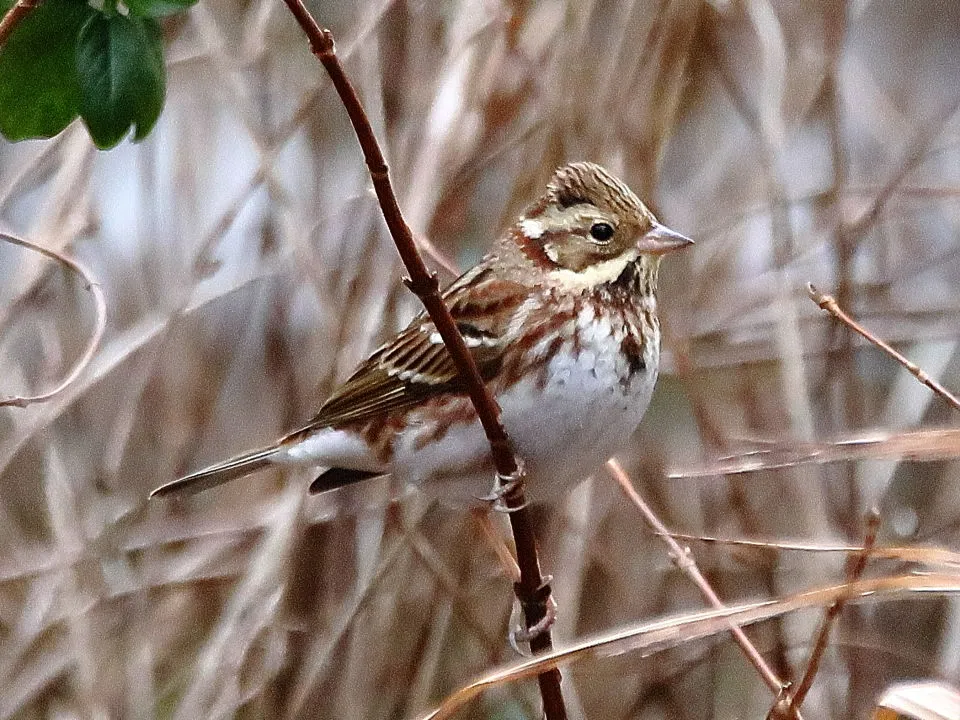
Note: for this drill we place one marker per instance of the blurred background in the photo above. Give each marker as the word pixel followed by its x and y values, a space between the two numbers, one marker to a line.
pixel 247 269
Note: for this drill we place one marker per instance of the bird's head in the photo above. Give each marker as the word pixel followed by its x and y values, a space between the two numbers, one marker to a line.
pixel 588 227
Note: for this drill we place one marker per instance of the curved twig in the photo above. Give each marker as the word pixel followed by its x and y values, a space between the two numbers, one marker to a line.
pixel 101 322
pixel 533 589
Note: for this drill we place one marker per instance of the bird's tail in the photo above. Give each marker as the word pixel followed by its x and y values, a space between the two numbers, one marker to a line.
pixel 218 474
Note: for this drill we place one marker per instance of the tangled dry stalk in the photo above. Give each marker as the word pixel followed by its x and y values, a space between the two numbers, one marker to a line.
pixel 246 271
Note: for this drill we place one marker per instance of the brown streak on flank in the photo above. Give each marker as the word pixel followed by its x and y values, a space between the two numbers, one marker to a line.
pixel 530 338
pixel 633 349
pixel 447 411
pixel 554 348
pixel 513 367
pixel 518 362
pixel 577 307
pixel 380 432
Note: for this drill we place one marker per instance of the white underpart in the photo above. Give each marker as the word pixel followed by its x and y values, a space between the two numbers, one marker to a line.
pixel 584 415
pixel 333 448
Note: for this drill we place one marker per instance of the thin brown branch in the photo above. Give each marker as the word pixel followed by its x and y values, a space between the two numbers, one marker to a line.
pixel 683 559
pixel 532 590
pixel 14 16
pixel 101 323
pixel 829 303
pixel 925 555
pixel 859 562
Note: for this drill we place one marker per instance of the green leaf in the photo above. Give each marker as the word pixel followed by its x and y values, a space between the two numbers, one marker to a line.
pixel 158 8
pixel 122 82
pixel 39 92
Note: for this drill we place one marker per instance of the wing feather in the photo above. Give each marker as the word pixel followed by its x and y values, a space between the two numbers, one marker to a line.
pixel 415 365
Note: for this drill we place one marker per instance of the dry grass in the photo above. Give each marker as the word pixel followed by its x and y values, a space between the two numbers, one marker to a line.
pixel 246 270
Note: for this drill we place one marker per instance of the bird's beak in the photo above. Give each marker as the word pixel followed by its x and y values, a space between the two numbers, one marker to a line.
pixel 660 240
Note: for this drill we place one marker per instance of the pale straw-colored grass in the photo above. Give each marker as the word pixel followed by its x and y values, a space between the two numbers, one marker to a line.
pixel 246 269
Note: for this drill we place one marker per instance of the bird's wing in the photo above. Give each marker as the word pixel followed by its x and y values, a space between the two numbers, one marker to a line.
pixel 415 365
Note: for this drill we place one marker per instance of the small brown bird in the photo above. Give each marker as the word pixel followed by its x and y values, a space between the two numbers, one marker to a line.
pixel 561 319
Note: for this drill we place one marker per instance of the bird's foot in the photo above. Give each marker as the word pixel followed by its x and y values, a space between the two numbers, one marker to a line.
pixel 506 489
pixel 542 598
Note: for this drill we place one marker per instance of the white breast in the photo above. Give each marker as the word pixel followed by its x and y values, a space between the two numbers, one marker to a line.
pixel 587 411
pixel 584 414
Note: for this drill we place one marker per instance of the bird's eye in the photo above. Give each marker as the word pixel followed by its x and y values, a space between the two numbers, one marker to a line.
pixel 601 231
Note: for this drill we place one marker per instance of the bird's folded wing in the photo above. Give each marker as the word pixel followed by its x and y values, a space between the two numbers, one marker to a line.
pixel 415 365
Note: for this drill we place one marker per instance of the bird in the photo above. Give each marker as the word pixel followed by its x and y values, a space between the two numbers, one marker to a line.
pixel 561 319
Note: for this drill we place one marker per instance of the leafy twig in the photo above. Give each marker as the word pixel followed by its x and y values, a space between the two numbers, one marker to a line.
pixel 101 322
pixel 829 303
pixel 532 591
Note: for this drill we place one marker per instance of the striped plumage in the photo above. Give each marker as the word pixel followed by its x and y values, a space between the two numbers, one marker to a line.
pixel 561 320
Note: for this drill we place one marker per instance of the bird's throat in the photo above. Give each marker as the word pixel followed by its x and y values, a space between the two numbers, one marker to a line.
pixel 638 278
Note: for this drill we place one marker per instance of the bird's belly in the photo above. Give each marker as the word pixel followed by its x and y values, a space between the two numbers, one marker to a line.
pixel 564 424
pixel 585 413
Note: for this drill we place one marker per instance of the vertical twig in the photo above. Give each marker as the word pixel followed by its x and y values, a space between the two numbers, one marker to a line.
pixel 532 591
pixel 856 567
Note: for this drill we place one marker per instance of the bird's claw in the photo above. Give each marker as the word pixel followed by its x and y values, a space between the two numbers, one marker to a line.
pixel 505 487
pixel 521 634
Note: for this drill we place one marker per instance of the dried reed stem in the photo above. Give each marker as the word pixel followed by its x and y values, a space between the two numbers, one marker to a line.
pixel 829 303
pixel 683 559
pixel 92 344
pixel 532 590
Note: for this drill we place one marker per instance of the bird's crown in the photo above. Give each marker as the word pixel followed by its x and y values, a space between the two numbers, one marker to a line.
pixel 586 183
